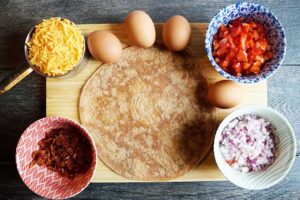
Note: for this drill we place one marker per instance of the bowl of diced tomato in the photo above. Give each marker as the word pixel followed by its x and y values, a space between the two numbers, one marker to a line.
pixel 245 42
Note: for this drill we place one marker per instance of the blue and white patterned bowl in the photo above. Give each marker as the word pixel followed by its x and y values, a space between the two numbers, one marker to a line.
pixel 257 13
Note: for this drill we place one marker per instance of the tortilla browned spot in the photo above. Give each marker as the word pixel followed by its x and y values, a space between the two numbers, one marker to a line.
pixel 148 113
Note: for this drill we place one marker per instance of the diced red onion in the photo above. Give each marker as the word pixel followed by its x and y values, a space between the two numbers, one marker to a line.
pixel 248 143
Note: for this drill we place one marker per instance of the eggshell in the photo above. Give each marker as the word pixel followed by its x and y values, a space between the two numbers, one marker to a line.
pixel 104 46
pixel 225 94
pixel 176 33
pixel 140 29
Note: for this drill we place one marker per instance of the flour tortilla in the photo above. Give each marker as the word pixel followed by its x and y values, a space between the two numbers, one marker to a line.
pixel 148 113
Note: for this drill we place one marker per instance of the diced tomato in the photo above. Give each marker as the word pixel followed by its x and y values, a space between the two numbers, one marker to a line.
pixel 252 24
pixel 257 64
pixel 223 42
pixel 231 42
pixel 229 57
pixel 238 69
pixel 249 44
pixel 243 40
pixel 242 56
pixel 260 58
pixel 235 31
pixel 223 34
pixel 222 28
pixel 257 44
pixel 236 50
pixel 221 51
pixel 230 162
pixel 255 70
pixel 245 27
pixel 237 22
pixel 241 47
pixel 257 51
pixel 246 72
pixel 216 45
pixel 263 44
pixel 251 57
pixel 255 35
pixel 237 41
pixel 268 55
pixel 250 36
pixel 246 65
pixel 224 64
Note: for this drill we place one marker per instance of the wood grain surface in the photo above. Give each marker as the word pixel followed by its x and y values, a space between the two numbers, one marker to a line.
pixel 26 102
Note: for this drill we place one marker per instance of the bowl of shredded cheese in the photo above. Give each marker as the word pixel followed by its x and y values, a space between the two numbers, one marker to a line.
pixel 55 47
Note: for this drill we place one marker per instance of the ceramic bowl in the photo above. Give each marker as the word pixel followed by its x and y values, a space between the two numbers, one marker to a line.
pixel 275 35
pixel 39 179
pixel 285 151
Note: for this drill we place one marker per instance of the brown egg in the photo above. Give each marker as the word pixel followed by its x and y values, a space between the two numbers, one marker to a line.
pixel 176 33
pixel 225 94
pixel 140 29
pixel 104 46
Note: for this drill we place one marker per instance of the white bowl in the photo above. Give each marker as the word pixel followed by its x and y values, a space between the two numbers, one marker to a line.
pixel 286 151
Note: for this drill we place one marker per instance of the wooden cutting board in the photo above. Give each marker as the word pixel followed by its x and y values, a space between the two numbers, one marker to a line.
pixel 62 98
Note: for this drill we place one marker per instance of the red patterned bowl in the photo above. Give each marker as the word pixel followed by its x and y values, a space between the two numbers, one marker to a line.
pixel 39 179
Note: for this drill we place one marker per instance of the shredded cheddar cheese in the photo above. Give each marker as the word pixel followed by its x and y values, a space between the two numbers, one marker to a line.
pixel 56 46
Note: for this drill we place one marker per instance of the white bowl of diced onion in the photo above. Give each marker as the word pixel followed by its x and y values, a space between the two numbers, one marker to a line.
pixel 255 147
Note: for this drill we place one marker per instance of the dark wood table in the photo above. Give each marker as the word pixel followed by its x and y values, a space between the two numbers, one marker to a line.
pixel 26 102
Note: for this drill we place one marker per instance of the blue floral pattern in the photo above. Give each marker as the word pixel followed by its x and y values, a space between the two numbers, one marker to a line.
pixel 257 13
